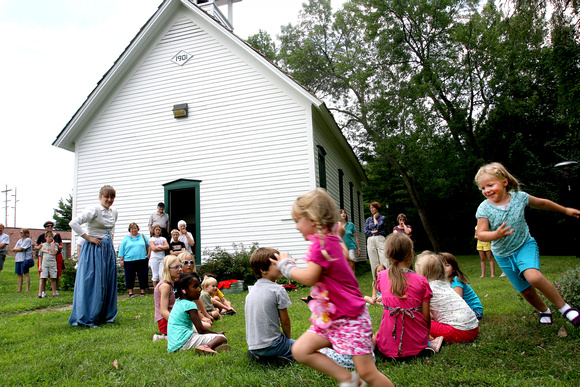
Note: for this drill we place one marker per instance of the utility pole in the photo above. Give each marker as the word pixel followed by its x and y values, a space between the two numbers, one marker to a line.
pixel 6 204
pixel 15 200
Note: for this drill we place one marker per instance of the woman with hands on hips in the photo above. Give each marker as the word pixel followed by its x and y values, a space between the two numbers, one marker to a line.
pixel 95 293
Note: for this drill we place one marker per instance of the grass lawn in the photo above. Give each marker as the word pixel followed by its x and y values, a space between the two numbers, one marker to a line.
pixel 39 347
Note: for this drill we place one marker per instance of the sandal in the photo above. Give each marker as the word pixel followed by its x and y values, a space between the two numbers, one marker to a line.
pixel 132 295
pixel 575 321
pixel 546 315
pixel 204 350
pixel 307 299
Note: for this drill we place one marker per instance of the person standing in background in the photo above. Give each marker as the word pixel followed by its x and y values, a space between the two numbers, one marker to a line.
pixel 375 231
pixel 49 226
pixel 162 219
pixel 4 242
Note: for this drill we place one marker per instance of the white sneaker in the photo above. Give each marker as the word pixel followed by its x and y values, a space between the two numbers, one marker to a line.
pixel 56 294
pixel 436 344
pixel 159 337
pixel 354 382
pixel 43 294
pixel 502 275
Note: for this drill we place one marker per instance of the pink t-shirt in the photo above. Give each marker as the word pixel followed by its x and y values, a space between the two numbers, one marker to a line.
pixel 157 298
pixel 416 334
pixel 337 291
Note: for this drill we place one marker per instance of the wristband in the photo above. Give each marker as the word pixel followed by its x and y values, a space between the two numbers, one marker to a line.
pixel 286 266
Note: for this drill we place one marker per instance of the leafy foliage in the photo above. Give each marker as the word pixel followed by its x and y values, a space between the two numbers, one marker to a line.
pixel 226 265
pixel 427 91
pixel 69 274
pixel 63 214
pixel 569 287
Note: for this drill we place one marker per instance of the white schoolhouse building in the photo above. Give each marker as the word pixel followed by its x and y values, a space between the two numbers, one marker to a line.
pixel 191 115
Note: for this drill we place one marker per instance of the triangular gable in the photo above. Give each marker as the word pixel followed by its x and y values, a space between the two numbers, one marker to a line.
pixel 140 44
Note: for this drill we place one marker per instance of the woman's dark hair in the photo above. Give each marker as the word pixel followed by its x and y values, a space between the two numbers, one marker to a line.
pixel 182 282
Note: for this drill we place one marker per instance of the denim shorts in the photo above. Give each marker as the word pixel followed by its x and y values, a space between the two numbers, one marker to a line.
pixel 282 347
pixel 527 257
pixel 20 269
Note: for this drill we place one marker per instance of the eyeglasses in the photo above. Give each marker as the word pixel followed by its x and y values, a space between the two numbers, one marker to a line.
pixel 188 263
pixel 175 267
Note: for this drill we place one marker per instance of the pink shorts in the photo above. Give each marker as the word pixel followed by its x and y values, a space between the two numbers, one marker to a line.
pixel 453 335
pixel 349 335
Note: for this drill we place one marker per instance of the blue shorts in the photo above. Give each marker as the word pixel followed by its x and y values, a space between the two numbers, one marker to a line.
pixel 20 269
pixel 282 347
pixel 527 257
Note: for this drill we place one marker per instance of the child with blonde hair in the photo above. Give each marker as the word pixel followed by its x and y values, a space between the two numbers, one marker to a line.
pixel 163 294
pixel 406 295
pixel 501 221
pixel 209 286
pixel 451 317
pixel 340 318
pixel 376 298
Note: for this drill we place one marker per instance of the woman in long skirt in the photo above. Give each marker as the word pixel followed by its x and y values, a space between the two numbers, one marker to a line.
pixel 95 294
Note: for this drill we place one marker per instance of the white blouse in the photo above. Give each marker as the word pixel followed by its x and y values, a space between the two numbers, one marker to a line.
pixel 98 220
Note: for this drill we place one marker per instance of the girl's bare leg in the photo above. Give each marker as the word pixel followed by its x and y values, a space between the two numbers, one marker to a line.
pixel 20 279
pixel 491 263
pixel 534 299
pixel 538 281
pixel 482 257
pixel 27 276
pixel 305 351
pixel 367 370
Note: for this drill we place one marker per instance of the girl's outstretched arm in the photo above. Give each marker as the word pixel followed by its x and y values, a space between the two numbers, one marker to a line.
pixel 548 205
pixel 307 277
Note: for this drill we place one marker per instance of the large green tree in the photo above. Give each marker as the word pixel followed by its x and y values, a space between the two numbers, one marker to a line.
pixel 434 88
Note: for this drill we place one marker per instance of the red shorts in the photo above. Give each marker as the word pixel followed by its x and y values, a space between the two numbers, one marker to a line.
pixel 162 326
pixel 453 335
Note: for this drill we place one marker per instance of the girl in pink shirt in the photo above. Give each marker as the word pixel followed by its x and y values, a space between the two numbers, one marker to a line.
pixel 340 319
pixel 404 329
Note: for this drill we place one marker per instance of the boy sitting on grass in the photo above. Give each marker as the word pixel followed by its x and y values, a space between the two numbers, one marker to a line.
pixel 266 311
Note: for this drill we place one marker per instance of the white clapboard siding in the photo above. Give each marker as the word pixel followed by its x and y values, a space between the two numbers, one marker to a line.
pixel 250 137
pixel 334 160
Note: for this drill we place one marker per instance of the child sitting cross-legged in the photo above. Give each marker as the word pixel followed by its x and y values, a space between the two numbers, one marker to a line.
pixel 184 317
pixel 209 286
pixel 266 311
pixel 218 299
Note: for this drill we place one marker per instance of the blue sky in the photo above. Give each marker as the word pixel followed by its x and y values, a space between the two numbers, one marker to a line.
pixel 53 54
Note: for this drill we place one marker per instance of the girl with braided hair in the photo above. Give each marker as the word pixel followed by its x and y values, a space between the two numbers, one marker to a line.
pixel 340 319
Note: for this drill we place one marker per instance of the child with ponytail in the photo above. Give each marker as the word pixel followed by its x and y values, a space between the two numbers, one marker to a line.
pixel 404 330
pixel 340 319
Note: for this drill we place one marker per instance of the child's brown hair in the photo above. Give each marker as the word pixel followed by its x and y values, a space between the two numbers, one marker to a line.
pixel 260 260
pixel 452 261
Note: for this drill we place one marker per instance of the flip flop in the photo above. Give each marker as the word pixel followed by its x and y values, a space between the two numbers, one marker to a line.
pixel 204 350
pixel 131 295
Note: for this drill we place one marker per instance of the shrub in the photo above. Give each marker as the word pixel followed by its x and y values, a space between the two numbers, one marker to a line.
pixel 226 265
pixel 69 274
pixel 569 287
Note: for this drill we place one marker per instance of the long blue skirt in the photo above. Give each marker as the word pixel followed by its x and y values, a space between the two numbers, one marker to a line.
pixel 95 294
